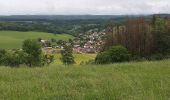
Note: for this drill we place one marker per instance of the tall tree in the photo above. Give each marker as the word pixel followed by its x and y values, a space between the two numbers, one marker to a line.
pixel 33 51
pixel 67 56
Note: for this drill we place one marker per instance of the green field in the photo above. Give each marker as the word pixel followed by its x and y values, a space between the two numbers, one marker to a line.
pixel 126 81
pixel 14 39
pixel 78 58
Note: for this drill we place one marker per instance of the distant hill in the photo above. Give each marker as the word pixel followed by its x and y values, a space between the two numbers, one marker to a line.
pixel 58 17
pixel 70 17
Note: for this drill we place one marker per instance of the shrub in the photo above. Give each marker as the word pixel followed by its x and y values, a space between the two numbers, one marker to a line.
pixel 12 58
pixel 119 54
pixel 47 59
pixel 103 58
pixel 114 54
pixel 2 56
pixel 157 56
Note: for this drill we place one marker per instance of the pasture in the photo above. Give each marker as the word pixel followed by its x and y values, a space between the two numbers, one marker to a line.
pixel 14 39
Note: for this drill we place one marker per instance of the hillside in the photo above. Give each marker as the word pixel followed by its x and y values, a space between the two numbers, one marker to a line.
pixel 126 81
pixel 13 39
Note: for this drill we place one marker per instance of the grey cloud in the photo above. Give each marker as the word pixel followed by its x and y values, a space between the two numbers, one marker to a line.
pixel 9 7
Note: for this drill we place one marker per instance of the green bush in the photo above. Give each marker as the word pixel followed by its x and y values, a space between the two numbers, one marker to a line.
pixel 114 54
pixel 11 58
pixel 103 58
pixel 31 55
pixel 2 56
pixel 119 54
pixel 157 56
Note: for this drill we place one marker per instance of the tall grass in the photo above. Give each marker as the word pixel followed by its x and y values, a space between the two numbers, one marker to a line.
pixel 126 81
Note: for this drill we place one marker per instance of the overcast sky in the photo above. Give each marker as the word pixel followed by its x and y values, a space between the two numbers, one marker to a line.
pixel 79 7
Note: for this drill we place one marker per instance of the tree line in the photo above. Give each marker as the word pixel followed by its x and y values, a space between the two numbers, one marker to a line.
pixel 143 39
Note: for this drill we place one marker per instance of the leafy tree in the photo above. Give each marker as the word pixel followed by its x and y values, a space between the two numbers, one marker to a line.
pixel 67 56
pixel 33 51
pixel 161 39
pixel 114 54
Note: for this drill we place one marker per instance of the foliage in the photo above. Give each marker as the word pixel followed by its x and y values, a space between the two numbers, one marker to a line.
pixel 47 59
pixel 161 38
pixel 114 54
pixel 103 58
pixel 67 56
pixel 31 55
pixel 33 51
pixel 2 56
pixel 11 58
pixel 142 38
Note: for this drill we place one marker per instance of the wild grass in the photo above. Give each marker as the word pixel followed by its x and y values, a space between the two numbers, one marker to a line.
pixel 125 81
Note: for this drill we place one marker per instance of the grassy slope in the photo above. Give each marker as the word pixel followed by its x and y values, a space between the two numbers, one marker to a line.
pixel 78 58
pixel 128 81
pixel 13 39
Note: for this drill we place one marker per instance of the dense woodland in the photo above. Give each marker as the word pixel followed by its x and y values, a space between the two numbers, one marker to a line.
pixel 59 24
pixel 142 39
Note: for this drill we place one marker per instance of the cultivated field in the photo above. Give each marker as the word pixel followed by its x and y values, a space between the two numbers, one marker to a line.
pixel 126 81
pixel 14 39
pixel 79 58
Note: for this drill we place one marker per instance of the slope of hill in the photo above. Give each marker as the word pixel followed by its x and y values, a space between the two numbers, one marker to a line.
pixel 14 39
pixel 126 81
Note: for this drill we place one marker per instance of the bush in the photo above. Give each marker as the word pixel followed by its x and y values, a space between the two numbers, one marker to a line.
pixel 103 58
pixel 2 56
pixel 31 55
pixel 11 58
pixel 47 59
pixel 114 54
pixel 119 54
pixel 157 56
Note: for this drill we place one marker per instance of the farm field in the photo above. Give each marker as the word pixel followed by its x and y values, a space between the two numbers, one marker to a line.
pixel 125 81
pixel 79 58
pixel 14 39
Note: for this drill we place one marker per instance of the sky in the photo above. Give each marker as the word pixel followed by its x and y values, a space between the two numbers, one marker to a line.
pixel 82 7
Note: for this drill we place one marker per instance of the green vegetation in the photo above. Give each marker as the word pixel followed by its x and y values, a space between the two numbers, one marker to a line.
pixel 67 55
pixel 30 55
pixel 79 58
pixel 14 39
pixel 126 81
pixel 112 55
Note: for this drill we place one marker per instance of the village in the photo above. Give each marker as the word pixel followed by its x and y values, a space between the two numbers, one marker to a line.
pixel 89 42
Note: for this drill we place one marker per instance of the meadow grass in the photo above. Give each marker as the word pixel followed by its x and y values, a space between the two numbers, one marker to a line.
pixel 14 39
pixel 79 58
pixel 125 81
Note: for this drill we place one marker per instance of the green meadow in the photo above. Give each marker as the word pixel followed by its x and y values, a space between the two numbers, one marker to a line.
pixel 125 81
pixel 79 58
pixel 14 39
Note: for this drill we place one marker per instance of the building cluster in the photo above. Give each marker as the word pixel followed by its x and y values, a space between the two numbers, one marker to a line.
pixel 90 42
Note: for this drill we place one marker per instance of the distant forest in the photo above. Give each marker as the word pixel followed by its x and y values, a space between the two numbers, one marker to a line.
pixel 59 24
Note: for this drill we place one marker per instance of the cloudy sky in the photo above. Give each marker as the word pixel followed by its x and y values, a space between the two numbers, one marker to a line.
pixel 79 7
